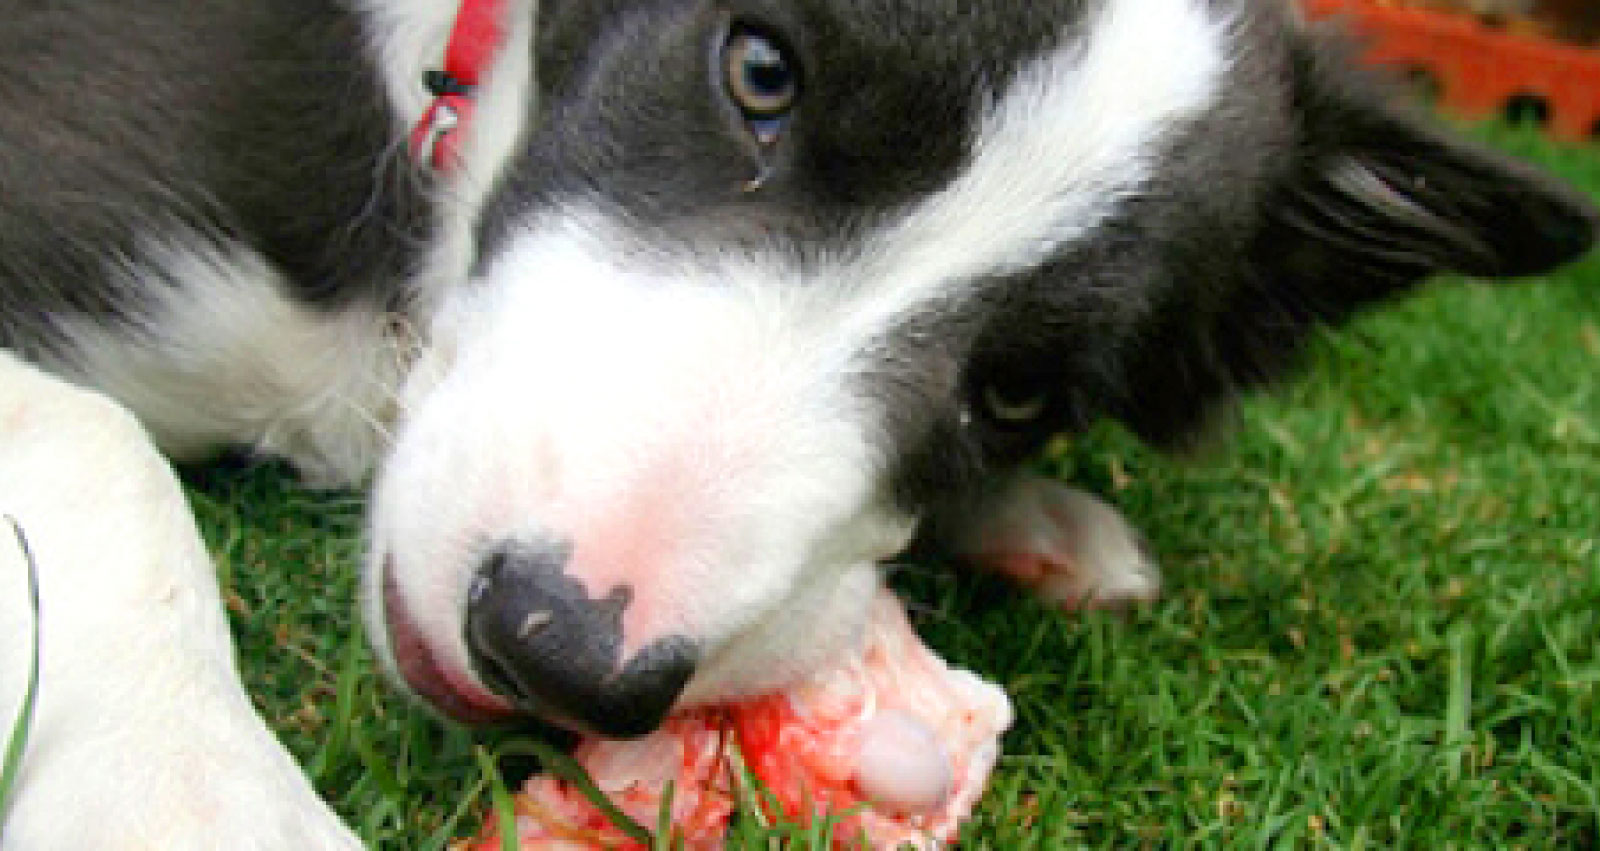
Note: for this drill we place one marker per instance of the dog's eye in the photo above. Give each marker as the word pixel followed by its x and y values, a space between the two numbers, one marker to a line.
pixel 1012 406
pixel 761 79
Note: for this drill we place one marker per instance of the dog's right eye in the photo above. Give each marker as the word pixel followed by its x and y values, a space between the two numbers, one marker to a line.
pixel 1012 408
pixel 761 78
pixel 1010 404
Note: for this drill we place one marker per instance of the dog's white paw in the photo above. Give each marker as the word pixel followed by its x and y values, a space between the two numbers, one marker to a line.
pixel 1068 546
pixel 143 737
pixel 191 783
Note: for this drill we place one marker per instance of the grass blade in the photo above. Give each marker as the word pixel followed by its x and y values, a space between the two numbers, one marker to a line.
pixel 24 722
pixel 566 768
pixel 505 809
pixel 1458 702
pixel 446 833
pixel 664 821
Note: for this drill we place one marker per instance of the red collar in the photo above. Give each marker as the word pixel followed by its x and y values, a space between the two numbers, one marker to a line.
pixel 478 33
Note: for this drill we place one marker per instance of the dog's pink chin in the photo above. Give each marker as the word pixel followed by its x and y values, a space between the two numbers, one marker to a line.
pixel 450 692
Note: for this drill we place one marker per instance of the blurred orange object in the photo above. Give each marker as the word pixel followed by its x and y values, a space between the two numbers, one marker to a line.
pixel 1480 71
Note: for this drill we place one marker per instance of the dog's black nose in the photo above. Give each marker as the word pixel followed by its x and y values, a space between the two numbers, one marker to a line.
pixel 536 636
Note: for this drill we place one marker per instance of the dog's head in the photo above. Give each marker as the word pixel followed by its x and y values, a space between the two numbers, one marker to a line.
pixel 772 280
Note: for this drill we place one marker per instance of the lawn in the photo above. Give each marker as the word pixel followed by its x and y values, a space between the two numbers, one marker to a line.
pixel 1380 628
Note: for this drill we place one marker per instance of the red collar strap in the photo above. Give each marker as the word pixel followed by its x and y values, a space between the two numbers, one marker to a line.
pixel 476 37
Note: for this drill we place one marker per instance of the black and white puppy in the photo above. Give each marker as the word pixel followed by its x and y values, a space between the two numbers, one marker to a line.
pixel 725 303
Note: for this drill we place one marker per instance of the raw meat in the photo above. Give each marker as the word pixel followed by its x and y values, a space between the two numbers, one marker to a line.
pixel 895 744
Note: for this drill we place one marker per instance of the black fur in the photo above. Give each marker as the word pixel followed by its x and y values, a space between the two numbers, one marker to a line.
pixel 262 123
pixel 1371 200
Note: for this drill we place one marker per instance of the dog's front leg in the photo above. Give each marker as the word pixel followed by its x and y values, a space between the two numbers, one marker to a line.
pixel 1067 545
pixel 143 736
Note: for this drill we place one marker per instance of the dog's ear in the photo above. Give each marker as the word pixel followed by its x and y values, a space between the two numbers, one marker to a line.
pixel 1373 198
pixel 1384 192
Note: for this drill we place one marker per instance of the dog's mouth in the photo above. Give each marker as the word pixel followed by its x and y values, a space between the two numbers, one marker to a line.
pixel 453 693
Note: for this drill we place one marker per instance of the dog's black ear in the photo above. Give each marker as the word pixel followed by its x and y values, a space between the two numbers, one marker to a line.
pixel 1373 198
pixel 1385 192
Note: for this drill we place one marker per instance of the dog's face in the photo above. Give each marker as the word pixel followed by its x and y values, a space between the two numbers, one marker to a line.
pixel 770 281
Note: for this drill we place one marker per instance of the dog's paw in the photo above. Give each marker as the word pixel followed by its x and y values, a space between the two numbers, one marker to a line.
pixel 1068 546
pixel 142 735
pixel 179 761
pixel 197 794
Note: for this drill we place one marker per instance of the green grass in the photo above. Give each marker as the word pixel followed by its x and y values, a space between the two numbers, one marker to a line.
pixel 17 738
pixel 1380 629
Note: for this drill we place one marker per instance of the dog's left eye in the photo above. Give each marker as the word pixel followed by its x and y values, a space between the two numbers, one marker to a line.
pixel 761 78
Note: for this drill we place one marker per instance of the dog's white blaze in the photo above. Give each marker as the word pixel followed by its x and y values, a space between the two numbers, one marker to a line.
pixel 693 449
pixel 1076 134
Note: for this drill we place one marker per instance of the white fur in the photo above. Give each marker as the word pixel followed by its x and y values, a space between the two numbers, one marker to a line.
pixel 143 737
pixel 701 428
pixel 222 355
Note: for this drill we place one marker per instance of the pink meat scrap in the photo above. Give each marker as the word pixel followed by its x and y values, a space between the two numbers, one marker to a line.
pixel 895 745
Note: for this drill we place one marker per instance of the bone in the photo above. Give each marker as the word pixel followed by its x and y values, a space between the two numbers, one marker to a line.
pixel 903 767
pixel 892 735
